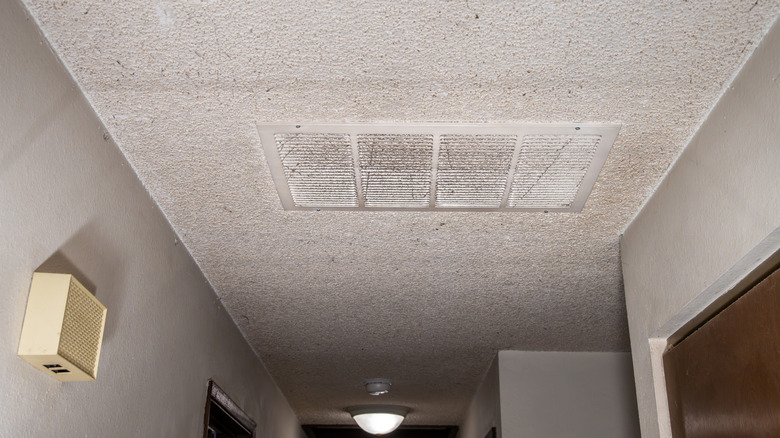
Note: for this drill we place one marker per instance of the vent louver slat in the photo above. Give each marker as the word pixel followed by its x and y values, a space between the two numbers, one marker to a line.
pixel 473 169
pixel 395 169
pixel 550 169
pixel 319 169
pixel 477 167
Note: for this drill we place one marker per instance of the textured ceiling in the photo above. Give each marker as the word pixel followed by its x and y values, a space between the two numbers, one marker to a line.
pixel 424 298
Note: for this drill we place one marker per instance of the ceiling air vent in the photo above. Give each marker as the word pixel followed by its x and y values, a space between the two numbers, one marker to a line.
pixel 475 167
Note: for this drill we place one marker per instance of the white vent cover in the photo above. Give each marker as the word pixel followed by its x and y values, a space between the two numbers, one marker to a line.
pixel 476 167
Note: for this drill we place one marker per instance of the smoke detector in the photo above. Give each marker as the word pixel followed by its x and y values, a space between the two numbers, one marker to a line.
pixel 377 386
pixel 472 167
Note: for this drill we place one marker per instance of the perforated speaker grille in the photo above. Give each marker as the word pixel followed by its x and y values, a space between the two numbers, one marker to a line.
pixel 490 167
pixel 82 328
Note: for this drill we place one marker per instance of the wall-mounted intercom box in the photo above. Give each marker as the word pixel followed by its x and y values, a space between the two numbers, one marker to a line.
pixel 63 328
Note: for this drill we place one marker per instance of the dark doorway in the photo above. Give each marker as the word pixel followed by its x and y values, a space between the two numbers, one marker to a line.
pixel 224 419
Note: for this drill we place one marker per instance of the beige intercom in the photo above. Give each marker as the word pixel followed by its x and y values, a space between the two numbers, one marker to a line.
pixel 63 328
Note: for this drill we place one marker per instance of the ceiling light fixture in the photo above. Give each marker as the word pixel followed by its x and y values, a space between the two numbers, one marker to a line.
pixel 378 419
pixel 377 386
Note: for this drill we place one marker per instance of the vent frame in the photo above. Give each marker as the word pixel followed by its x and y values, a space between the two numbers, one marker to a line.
pixel 608 132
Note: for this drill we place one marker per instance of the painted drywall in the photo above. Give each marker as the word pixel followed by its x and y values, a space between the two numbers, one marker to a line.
pixel 69 201
pixel 567 394
pixel 484 411
pixel 719 200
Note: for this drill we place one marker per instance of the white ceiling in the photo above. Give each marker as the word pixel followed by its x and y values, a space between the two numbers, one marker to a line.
pixel 424 298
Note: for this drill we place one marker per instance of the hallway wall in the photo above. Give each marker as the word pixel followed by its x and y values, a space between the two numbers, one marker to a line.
pixel 70 201
pixel 540 394
pixel 484 411
pixel 567 395
pixel 719 200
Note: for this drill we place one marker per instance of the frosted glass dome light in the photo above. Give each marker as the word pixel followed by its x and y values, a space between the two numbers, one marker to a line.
pixel 378 424
pixel 378 419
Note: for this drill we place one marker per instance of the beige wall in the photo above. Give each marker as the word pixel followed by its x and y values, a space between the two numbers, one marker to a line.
pixel 68 196
pixel 484 411
pixel 567 395
pixel 719 201
pixel 530 394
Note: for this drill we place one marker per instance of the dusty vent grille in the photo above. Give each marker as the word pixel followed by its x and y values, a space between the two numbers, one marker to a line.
pixel 473 169
pixel 491 167
pixel 550 169
pixel 318 168
pixel 395 169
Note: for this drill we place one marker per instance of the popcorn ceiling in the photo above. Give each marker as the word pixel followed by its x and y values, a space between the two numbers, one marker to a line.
pixel 328 299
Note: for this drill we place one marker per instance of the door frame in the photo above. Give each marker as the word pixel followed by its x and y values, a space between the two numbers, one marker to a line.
pixel 756 265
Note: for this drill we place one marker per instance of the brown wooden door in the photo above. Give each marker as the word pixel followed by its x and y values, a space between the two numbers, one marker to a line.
pixel 723 380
